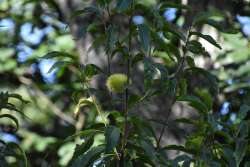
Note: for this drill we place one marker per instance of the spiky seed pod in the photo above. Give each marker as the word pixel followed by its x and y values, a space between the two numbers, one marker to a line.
pixel 116 83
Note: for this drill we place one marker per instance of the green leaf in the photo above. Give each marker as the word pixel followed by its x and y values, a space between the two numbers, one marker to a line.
pixel 103 2
pixel 128 164
pixel 155 73
pixel 149 150
pixel 123 5
pixel 205 97
pixel 183 87
pixel 81 32
pixel 186 160
pixel 58 64
pixel 10 107
pixel 111 37
pixel 177 148
pixel 241 148
pixel 229 156
pixel 163 72
pixel 236 87
pixel 194 102
pixel 84 133
pixel 202 17
pixel 17 96
pixel 112 135
pixel 213 83
pixel 223 135
pixel 90 9
pixel 221 26
pixel 207 38
pixel 149 72
pixel 165 5
pixel 243 130
pixel 137 58
pixel 88 159
pixel 21 156
pixel 195 142
pixel 57 54
pixel 4 104
pixel 144 35
pixel 83 102
pixel 216 19
pixel 172 87
pixel 167 57
pixel 4 96
pixel 185 121
pixel 195 47
pixel 81 149
pixel 143 127
pixel 133 100
pixel 247 164
pixel 168 27
pixel 123 50
pixel 244 109
pixel 190 61
pixel 91 69
pixel 12 118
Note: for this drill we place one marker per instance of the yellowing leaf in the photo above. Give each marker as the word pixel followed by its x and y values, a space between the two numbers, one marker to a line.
pixel 82 103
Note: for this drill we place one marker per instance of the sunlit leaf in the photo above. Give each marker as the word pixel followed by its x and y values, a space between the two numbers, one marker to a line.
pixel 83 102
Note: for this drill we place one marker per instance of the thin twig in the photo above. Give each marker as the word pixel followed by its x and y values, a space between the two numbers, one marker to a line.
pixel 159 140
pixel 183 59
pixel 176 75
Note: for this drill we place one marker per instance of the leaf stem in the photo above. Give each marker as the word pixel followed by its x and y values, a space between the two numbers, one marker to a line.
pixel 97 106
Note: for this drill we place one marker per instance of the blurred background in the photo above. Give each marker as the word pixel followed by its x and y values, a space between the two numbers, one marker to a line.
pixel 31 28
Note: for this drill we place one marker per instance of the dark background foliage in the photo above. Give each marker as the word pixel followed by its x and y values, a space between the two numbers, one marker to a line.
pixel 30 29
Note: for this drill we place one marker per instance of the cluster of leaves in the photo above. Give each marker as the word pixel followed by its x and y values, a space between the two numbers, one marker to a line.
pixel 129 140
pixel 126 138
pixel 11 149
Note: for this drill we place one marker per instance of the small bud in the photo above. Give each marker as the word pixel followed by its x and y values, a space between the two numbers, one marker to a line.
pixel 116 83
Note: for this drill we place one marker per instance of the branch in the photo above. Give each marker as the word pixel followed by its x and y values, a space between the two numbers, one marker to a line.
pixel 57 111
